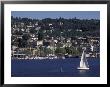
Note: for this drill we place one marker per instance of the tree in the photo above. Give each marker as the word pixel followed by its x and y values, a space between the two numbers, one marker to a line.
pixel 33 31
pixel 25 37
pixel 40 35
pixel 61 51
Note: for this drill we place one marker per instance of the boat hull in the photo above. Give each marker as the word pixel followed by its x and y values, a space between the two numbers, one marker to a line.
pixel 83 68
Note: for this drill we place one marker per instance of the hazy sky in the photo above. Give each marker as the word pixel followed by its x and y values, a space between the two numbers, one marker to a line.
pixel 57 14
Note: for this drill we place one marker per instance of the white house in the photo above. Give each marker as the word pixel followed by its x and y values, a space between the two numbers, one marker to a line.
pixel 40 42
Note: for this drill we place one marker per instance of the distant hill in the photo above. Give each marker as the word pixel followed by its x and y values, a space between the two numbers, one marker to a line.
pixel 68 27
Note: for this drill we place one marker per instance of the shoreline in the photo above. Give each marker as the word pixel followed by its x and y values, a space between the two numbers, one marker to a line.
pixel 43 58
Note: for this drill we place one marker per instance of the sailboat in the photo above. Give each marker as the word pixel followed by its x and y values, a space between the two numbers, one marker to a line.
pixel 83 62
pixel 61 69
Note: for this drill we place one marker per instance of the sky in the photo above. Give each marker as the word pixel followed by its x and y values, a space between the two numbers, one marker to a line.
pixel 57 14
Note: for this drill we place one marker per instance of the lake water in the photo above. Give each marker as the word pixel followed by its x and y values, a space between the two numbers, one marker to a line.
pixel 54 68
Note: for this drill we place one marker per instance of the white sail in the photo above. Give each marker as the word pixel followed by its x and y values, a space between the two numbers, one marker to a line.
pixel 83 62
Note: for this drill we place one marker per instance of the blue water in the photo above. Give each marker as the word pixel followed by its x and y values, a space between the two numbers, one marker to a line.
pixel 54 68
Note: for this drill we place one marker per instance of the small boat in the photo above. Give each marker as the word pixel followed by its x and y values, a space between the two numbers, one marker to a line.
pixel 83 62
pixel 61 69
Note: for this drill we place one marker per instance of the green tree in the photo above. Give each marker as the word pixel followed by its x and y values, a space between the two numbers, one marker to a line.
pixel 60 51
